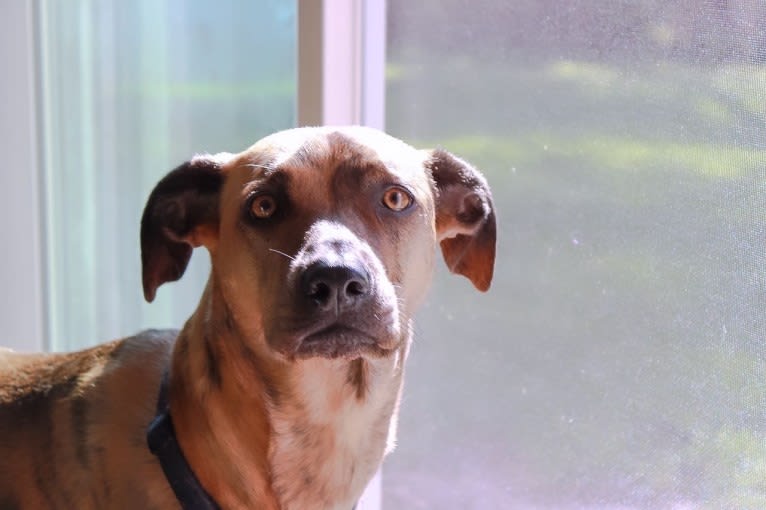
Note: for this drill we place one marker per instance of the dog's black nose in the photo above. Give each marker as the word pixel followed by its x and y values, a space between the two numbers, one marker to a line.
pixel 340 285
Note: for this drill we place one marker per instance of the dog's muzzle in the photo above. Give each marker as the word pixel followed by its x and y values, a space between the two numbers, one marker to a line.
pixel 342 297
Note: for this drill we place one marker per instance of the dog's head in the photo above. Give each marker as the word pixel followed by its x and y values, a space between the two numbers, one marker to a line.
pixel 321 239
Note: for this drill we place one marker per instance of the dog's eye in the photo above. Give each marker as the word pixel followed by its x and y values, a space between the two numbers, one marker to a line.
pixel 263 206
pixel 397 199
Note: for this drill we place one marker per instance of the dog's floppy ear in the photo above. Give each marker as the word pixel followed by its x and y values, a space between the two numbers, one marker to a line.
pixel 180 214
pixel 465 217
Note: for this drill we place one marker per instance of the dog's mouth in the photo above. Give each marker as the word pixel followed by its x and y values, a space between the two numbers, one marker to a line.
pixel 339 340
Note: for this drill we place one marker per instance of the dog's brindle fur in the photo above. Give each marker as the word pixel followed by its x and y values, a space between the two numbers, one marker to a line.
pixel 283 391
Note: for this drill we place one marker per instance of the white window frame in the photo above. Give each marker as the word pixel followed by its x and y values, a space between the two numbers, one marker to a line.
pixel 341 62
pixel 341 80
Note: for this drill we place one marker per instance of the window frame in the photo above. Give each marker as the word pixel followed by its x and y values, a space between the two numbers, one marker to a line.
pixel 341 62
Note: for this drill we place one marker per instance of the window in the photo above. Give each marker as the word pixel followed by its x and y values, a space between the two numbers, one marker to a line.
pixel 618 361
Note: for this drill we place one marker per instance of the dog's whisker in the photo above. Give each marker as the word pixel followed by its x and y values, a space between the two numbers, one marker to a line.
pixel 282 253
pixel 256 165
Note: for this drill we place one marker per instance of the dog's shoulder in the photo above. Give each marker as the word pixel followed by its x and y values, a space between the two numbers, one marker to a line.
pixel 89 411
pixel 136 365
pixel 60 375
pixel 152 346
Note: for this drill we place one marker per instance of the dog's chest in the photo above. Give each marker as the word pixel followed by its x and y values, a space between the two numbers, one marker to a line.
pixel 326 447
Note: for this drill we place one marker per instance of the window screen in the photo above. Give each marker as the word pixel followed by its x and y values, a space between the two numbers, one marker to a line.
pixel 618 360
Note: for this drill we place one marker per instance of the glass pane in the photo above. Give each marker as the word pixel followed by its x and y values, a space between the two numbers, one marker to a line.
pixel 132 89
pixel 619 359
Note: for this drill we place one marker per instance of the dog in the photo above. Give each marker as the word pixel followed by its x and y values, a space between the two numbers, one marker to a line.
pixel 283 386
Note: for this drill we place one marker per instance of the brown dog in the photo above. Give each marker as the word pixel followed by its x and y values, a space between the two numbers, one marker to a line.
pixel 284 383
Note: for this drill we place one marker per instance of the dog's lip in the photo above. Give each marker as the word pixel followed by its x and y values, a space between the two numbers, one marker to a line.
pixel 336 331
pixel 338 339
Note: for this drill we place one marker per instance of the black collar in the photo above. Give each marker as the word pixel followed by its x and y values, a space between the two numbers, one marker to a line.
pixel 161 438
pixel 162 442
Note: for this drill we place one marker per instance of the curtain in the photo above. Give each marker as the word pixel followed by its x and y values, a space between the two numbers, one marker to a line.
pixel 131 90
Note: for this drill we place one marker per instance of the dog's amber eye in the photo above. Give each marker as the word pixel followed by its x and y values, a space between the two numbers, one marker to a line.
pixel 263 206
pixel 397 199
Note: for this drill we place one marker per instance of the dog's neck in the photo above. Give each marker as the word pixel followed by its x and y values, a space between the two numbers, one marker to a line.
pixel 307 434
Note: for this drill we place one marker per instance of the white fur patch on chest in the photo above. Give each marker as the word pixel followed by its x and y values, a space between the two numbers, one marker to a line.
pixel 328 442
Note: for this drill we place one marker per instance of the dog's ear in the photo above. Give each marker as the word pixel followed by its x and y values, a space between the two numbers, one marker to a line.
pixel 180 214
pixel 465 217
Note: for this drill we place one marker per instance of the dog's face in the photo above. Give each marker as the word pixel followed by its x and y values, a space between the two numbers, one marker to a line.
pixel 322 239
